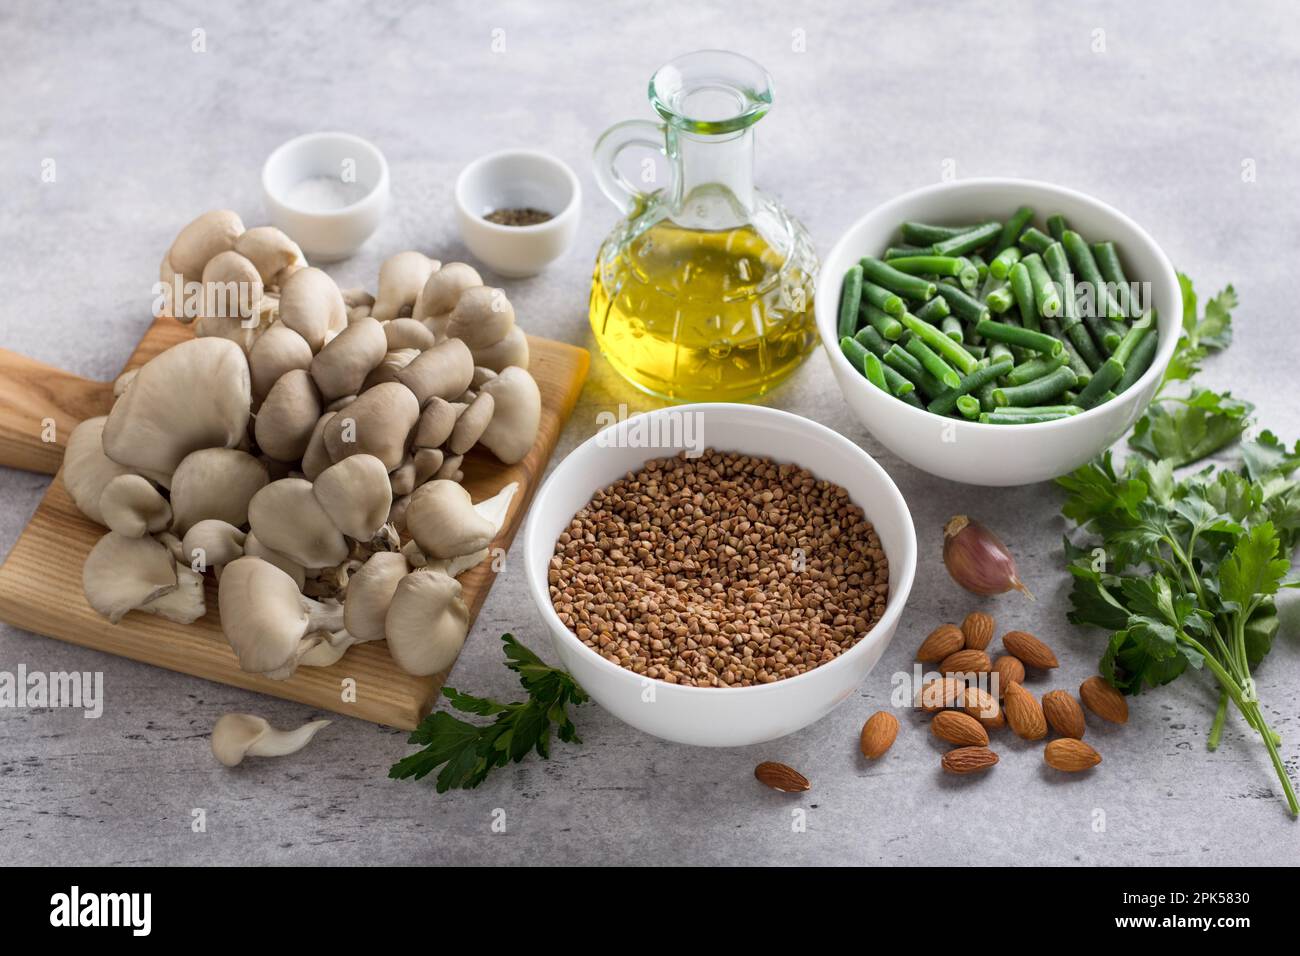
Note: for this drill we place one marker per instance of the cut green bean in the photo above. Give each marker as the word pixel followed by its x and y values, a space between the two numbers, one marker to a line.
pixel 1105 378
pixel 884 323
pixel 985 394
pixel 850 297
pixel 1012 230
pixel 940 343
pixel 1037 392
pixel 1001 299
pixel 975 350
pixel 898 386
pixel 952 327
pixel 1085 266
pixel 911 399
pixel 1036 368
pixel 1132 338
pixel 1034 240
pixel 912 287
pixel 1076 362
pixel 924 234
pixel 981 270
pixel 1143 354
pixel 934 311
pixel 910 368
pixel 855 352
pixel 888 302
pixel 998 351
pixel 932 362
pixel 869 338
pixel 1058 267
pixel 1001 418
pixel 1112 271
pixel 1000 267
pixel 1056 226
pixel 969 406
pixel 966 242
pixel 931 265
pixel 962 305
pixel 984 375
pixel 1016 411
pixel 1046 299
pixel 901 252
pixel 874 371
pixel 1022 287
pixel 1017 335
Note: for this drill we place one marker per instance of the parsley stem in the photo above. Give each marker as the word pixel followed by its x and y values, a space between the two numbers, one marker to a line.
pixel 1216 728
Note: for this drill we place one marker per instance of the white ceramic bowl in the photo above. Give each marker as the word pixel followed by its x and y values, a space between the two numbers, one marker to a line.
pixel 517 179
pixel 721 716
pixel 997 454
pixel 326 234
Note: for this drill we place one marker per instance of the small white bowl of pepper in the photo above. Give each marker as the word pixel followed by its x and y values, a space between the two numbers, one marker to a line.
pixel 518 210
pixel 719 575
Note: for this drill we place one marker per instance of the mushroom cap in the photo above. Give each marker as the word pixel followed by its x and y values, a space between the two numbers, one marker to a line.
pixel 437 422
pixel 511 350
pixel 426 622
pixel 472 423
pixel 442 520
pixel 517 414
pixel 255 549
pixel 355 494
pixel 263 615
pixel 342 365
pixel 401 277
pixel 401 479
pixel 215 483
pixel 482 317
pixel 269 249
pixel 236 736
pixel 286 517
pixel 212 543
pixel 87 470
pixel 285 420
pixel 208 235
pixel 316 458
pixel 194 395
pixel 132 506
pixel 121 574
pixel 427 462
pixel 277 350
pixel 408 334
pixel 232 287
pixel 443 371
pixel 377 423
pixel 311 305
pixel 443 290
pixel 370 591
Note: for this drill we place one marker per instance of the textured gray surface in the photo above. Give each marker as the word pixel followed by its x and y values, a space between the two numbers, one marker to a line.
pixel 145 134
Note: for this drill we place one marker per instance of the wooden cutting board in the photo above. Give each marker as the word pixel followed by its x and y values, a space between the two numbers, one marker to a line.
pixel 40 580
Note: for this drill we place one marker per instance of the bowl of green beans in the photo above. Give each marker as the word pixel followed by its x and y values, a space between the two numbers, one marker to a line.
pixel 997 331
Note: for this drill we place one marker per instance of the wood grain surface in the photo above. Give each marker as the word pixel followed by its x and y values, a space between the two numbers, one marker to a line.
pixel 40 580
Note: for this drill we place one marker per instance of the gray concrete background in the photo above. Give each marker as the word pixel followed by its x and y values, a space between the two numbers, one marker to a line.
pixel 146 133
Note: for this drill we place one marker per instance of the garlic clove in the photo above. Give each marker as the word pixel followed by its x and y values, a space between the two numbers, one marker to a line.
pixel 978 560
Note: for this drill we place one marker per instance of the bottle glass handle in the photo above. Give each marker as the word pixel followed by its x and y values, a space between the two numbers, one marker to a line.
pixel 644 133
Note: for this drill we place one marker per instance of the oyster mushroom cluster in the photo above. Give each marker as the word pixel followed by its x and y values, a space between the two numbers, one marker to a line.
pixel 306 449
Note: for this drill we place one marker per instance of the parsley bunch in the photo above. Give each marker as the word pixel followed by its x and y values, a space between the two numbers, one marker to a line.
pixel 1183 571
pixel 468 752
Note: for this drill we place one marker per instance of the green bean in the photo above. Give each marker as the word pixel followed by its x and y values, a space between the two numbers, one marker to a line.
pixel 966 242
pixel 1076 362
pixel 1083 344
pixel 1143 354
pixel 907 365
pixel 972 382
pixel 932 362
pixel 913 287
pixel 883 299
pixel 991 284
pixel 963 306
pixel 998 351
pixel 884 323
pixel 931 265
pixel 1036 368
pixel 1056 225
pixel 874 371
pixel 981 268
pixel 854 352
pixel 910 398
pixel 969 406
pixel 1058 267
pixel 940 343
pixel 1018 411
pixel 1001 265
pixel 898 386
pixel 1107 376
pixel 975 350
pixel 872 340
pixel 1001 299
pixel 1132 338
pixel 985 394
pixel 1016 335
pixel 1034 240
pixel 1022 287
pixel 1112 271
pixel 1046 299
pixel 1001 418
pixel 923 234
pixel 1038 391
pixel 952 328
pixel 850 296
pixel 934 311
pixel 1012 230
pixel 901 252
pixel 1086 266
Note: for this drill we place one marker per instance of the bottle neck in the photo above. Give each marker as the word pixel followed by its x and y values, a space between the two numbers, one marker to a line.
pixel 715 179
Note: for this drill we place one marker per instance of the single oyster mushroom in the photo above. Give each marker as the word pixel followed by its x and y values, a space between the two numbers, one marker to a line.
pixel 426 622
pixel 212 543
pixel 517 414
pixel 124 574
pixel 311 305
pixel 494 510
pixel 255 549
pixel 200 240
pixel 442 520
pixel 286 517
pixel 393 362
pixel 482 317
pixel 87 470
pixel 355 494
pixel 443 371
pixel 370 591
pixel 436 423
pixel 408 334
pixel 287 417
pixel 316 458
pixel 270 251
pixel 401 277
pixel 377 423
pixel 472 424
pixel 511 350
pixel 215 483
pixel 132 506
pixel 342 365
pixel 237 736
pixel 232 289
pixel 441 293
pixel 277 350
pixel 267 620
pixel 194 395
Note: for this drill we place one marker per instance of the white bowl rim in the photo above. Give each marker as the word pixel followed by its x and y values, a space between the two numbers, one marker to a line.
pixel 306 139
pixel 541 158
pixel 1164 351
pixel 540 588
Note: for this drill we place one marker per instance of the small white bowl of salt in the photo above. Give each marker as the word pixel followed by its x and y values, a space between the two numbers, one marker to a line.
pixel 328 191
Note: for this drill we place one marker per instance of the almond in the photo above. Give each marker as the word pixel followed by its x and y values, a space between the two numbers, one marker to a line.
pixel 966 662
pixel 1009 671
pixel 878 733
pixel 983 706
pixel 969 759
pixel 943 640
pixel 978 629
pixel 1063 713
pixel 1070 755
pixel 1024 713
pixel 1103 700
pixel 780 777
pixel 938 694
pixel 1031 651
pixel 958 728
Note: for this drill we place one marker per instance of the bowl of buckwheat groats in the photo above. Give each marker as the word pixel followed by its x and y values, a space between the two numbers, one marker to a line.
pixel 719 574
